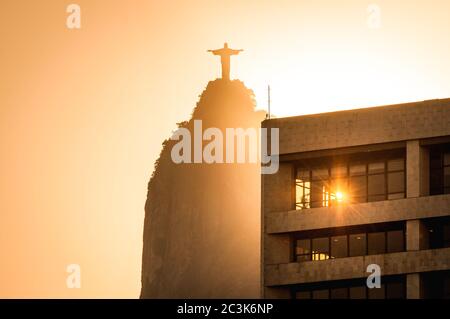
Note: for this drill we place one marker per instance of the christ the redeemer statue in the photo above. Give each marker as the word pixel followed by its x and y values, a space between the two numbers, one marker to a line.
pixel 225 54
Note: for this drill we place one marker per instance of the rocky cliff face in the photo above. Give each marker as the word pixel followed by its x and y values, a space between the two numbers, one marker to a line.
pixel 202 221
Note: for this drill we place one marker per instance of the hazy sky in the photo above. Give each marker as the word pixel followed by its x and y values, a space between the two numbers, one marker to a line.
pixel 83 112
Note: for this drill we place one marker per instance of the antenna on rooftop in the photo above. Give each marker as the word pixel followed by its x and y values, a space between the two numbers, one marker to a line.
pixel 268 102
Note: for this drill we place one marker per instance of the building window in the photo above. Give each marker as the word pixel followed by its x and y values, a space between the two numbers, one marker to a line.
pixel 438 230
pixel 321 294
pixel 357 244
pixel 359 292
pixel 330 245
pixel 377 293
pixel 339 293
pixel 396 179
pixel 320 192
pixel 358 183
pixel 447 173
pixel 303 295
pixel 392 287
pixel 339 246
pixel 354 182
pixel 376 187
pixel 395 241
pixel 303 189
pixel 377 182
pixel 377 243
pixel 303 250
pixel 395 290
pixel 440 170
pixel 436 284
pixel 446 235
pixel 320 248
pixel 447 287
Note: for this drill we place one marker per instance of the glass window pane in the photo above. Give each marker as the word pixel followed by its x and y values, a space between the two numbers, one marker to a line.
pixel 320 248
pixel 339 246
pixel 339 171
pixel 317 191
pixel 303 175
pixel 446 287
pixel 358 186
pixel 339 293
pixel 435 160
pixel 320 174
pixel 357 243
pixel 303 246
pixel 446 233
pixel 396 182
pixel 302 258
pixel 395 290
pixel 396 165
pixel 376 293
pixel 436 181
pixel 395 241
pixel 303 295
pixel 357 169
pixel 377 184
pixel 358 292
pixel 338 190
pixel 376 168
pixel 447 177
pixel 302 193
pixel 447 159
pixel 377 243
pixel 321 294
pixel 338 185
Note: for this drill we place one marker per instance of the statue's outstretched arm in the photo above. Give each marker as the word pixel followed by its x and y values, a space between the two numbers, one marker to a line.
pixel 215 52
pixel 236 51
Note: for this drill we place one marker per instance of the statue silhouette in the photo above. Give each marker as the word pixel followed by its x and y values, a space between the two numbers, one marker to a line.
pixel 225 53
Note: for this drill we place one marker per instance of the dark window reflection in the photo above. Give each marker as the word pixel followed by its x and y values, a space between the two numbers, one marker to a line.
pixel 440 169
pixel 392 287
pixel 339 246
pixel 357 243
pixel 395 241
pixel 377 243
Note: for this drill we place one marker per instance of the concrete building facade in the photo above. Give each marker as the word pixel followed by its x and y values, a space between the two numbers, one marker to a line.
pixel 355 188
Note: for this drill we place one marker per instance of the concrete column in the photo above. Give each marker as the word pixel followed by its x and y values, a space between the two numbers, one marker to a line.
pixel 277 250
pixel 278 189
pixel 417 184
pixel 417 169
pixel 417 236
pixel 413 286
pixel 424 171
pixel 277 195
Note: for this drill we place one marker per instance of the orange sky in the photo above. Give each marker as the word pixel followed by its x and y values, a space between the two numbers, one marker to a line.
pixel 83 112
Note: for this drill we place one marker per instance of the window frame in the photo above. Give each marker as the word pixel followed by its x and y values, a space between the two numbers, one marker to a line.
pixel 329 166
pixel 366 231
pixel 327 288
pixel 437 169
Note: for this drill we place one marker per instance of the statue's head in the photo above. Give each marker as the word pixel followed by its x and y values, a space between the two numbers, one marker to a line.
pixel 225 45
